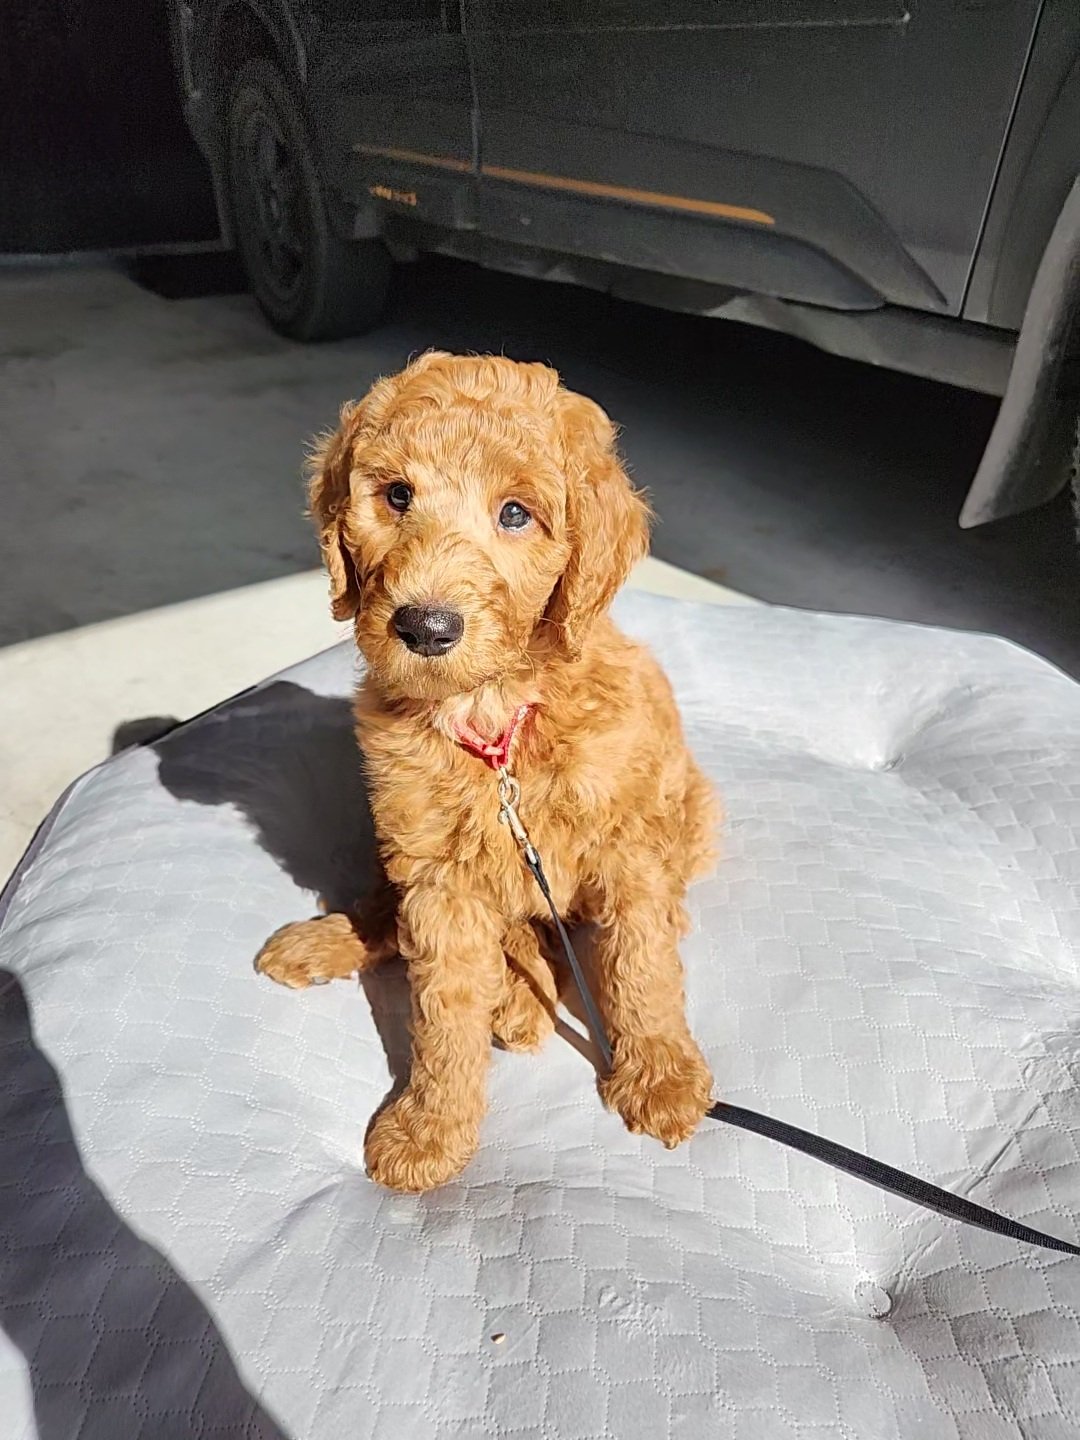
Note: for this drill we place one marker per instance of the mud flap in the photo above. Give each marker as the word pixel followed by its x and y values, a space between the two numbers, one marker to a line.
pixel 1027 458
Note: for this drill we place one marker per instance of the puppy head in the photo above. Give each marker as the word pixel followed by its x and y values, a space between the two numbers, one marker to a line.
pixel 465 507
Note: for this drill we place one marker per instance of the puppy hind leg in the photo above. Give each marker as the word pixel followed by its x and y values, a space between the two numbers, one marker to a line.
pixel 525 1014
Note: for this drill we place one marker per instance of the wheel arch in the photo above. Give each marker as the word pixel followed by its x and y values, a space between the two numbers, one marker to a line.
pixel 242 30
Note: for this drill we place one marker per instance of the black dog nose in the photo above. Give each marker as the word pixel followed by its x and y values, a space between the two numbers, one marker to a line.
pixel 428 630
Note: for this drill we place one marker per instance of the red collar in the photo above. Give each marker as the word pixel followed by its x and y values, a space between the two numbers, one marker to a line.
pixel 495 753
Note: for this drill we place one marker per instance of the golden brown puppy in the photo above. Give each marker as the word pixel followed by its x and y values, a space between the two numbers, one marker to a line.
pixel 476 523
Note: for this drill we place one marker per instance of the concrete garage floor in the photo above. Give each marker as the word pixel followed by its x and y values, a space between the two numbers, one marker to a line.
pixel 150 449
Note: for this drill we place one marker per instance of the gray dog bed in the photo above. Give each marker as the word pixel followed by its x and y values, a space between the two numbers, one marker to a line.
pixel 887 954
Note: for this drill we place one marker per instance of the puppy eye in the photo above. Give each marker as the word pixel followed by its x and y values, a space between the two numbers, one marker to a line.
pixel 399 496
pixel 513 516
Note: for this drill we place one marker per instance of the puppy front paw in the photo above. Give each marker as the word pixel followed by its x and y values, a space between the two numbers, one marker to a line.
pixel 410 1150
pixel 660 1087
pixel 311 952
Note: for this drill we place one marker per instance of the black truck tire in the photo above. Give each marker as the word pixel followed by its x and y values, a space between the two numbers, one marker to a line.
pixel 309 283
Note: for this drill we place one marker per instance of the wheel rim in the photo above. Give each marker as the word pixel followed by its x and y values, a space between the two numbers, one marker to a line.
pixel 273 209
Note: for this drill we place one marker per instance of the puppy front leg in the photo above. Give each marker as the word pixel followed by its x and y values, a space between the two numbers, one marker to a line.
pixel 453 946
pixel 659 1083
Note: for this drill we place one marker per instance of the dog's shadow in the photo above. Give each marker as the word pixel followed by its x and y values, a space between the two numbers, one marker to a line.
pixel 287 759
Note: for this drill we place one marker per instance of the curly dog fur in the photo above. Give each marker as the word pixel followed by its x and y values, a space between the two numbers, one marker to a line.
pixel 613 800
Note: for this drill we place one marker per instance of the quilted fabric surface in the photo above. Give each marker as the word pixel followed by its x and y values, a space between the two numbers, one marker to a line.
pixel 887 954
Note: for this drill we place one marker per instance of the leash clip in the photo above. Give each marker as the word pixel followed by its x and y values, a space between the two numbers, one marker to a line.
pixel 509 799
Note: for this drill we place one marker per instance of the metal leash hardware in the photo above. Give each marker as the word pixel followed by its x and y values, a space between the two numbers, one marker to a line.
pixel 851 1162
pixel 509 800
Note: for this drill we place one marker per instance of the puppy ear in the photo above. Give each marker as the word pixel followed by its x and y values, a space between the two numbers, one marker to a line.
pixel 607 521
pixel 328 468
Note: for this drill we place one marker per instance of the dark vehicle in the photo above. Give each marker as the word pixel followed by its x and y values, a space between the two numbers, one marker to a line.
pixel 893 182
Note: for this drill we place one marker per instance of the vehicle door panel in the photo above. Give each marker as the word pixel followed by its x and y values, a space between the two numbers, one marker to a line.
pixel 863 130
pixel 392 95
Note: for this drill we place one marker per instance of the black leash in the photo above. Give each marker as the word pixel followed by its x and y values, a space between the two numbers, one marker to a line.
pixel 863 1167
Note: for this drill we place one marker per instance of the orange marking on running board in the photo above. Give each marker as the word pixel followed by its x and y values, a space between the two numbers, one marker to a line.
pixel 626 192
pixel 599 190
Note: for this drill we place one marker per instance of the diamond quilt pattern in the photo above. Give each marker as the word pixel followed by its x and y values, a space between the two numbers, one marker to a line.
pixel 887 954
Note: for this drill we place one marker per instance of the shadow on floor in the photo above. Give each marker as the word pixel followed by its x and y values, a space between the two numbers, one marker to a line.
pixel 187 277
pixel 116 1343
